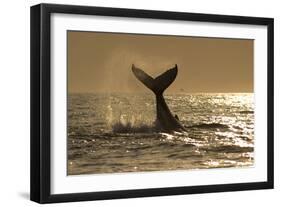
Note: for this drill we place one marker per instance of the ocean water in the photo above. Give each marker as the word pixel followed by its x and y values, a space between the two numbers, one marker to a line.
pixel 114 133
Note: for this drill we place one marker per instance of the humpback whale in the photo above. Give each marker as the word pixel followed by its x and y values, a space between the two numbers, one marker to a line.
pixel 165 121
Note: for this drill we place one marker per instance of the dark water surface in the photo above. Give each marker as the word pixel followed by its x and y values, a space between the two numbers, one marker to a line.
pixel 110 133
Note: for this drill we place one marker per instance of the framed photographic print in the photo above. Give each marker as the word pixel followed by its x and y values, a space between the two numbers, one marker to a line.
pixel 133 103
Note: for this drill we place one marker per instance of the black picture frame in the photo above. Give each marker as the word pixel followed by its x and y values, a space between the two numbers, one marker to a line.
pixel 41 99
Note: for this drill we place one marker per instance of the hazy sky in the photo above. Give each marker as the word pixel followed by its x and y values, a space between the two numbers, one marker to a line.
pixel 101 62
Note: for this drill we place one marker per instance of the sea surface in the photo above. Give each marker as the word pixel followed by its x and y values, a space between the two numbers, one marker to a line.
pixel 114 133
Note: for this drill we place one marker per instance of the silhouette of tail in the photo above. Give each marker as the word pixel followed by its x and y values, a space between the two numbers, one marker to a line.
pixel 158 84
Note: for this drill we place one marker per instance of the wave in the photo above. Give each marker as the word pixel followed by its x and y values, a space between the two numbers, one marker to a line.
pixel 229 149
pixel 130 128
pixel 145 128
pixel 209 126
pixel 246 112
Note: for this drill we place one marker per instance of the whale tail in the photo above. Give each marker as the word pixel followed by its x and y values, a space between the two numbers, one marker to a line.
pixel 158 84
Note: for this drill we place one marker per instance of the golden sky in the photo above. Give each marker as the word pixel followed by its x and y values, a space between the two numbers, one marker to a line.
pixel 101 62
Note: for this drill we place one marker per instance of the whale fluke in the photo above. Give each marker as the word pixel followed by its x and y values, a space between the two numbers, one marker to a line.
pixel 158 84
pixel 165 119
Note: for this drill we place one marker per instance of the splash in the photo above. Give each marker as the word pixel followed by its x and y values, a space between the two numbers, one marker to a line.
pixel 132 124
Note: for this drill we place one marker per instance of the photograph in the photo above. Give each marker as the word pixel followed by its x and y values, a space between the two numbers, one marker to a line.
pixel 151 102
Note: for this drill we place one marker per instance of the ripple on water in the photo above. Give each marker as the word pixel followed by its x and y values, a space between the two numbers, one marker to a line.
pixel 109 133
